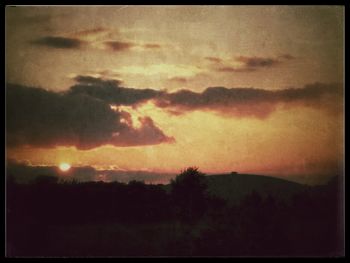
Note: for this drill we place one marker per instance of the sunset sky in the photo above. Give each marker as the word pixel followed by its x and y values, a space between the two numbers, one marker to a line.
pixel 253 89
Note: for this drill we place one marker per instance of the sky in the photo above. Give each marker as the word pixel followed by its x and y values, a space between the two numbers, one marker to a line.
pixel 253 89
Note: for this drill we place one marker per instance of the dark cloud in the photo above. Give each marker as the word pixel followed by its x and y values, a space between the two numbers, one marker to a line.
pixel 119 45
pixel 147 134
pixel 42 118
pixel 256 62
pixel 77 41
pixel 111 92
pixel 83 116
pixel 89 80
pixel 249 64
pixel 251 102
pixel 59 42
pixel 239 102
pixel 233 69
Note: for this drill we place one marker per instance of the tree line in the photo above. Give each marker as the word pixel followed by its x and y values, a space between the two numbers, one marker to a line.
pixel 310 224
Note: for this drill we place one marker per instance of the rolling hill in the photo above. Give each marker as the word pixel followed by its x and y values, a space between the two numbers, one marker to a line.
pixel 234 187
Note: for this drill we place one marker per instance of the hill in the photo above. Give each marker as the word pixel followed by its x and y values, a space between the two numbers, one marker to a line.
pixel 234 187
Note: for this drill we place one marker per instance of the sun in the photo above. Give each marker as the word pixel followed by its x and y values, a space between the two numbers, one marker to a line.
pixel 64 167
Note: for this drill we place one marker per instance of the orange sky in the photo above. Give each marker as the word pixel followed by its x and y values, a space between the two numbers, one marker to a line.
pixel 176 47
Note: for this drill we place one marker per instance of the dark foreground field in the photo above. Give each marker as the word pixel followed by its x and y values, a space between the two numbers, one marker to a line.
pixel 187 218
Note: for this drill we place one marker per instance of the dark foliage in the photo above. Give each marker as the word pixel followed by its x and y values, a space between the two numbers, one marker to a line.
pixel 50 218
pixel 188 193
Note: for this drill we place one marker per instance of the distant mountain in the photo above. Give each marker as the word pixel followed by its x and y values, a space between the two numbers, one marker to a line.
pixel 234 187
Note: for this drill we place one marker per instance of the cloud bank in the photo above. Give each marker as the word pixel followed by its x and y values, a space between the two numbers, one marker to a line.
pixel 42 118
pixel 100 38
pixel 252 102
pixel 111 92
pixel 247 64
pixel 59 42
pixel 87 115
pixel 235 102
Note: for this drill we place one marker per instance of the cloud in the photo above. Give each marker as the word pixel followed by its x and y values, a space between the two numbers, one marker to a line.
pixel 25 173
pixel 128 45
pixel 42 118
pixel 234 69
pixel 110 91
pixel 59 42
pixel 119 45
pixel 98 74
pixel 256 62
pixel 95 38
pixel 88 114
pixel 252 102
pixel 234 102
pixel 247 64
pixel 147 134
pixel 86 79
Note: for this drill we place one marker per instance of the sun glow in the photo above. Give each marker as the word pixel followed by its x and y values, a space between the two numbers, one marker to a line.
pixel 64 167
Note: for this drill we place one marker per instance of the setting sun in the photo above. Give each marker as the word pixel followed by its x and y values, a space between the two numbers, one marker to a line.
pixel 64 167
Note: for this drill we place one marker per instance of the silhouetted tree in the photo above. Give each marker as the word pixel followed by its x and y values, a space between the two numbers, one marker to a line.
pixel 188 192
pixel 46 180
